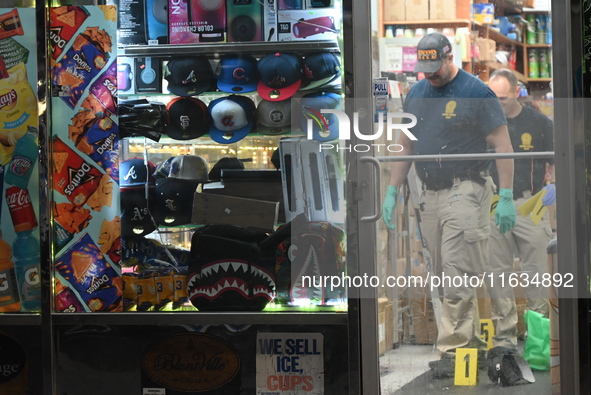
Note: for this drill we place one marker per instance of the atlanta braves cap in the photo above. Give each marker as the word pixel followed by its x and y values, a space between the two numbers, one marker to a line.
pixel 274 117
pixel 134 172
pixel 325 126
pixel 281 76
pixel 320 69
pixel 187 118
pixel 233 118
pixel 237 74
pixel 431 51
pixel 189 75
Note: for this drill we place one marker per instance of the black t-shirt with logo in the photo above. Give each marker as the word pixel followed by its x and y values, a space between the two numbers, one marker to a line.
pixel 453 119
pixel 530 131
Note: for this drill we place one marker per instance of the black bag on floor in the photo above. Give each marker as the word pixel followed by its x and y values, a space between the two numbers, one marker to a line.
pixel 506 367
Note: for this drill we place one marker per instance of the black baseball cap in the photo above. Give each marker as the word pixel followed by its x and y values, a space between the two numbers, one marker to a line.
pixel 187 118
pixel 431 51
pixel 189 75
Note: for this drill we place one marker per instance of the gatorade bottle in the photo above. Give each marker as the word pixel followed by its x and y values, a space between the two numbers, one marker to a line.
pixel 27 263
pixel 534 70
pixel 20 168
pixel 9 300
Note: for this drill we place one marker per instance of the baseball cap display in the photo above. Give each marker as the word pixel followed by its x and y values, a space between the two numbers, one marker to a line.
pixel 325 127
pixel 274 117
pixel 320 69
pixel 187 118
pixel 237 74
pixel 431 51
pixel 281 76
pixel 233 118
pixel 134 172
pixel 189 75
pixel 136 218
pixel 223 164
pixel 189 167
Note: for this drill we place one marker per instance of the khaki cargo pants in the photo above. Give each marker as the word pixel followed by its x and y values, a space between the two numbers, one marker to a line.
pixel 456 226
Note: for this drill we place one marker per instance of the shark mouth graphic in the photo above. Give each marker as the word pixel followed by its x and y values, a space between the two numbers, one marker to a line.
pixel 222 284
pixel 307 266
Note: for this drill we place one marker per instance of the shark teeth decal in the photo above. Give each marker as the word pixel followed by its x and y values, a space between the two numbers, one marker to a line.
pixel 310 269
pixel 249 280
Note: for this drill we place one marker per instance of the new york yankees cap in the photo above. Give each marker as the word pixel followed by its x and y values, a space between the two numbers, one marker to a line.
pixel 281 76
pixel 431 51
pixel 274 117
pixel 237 74
pixel 134 172
pixel 233 118
pixel 189 75
pixel 187 118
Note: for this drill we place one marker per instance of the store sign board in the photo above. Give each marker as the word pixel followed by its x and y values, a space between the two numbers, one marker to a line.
pixel 190 362
pixel 12 360
pixel 290 363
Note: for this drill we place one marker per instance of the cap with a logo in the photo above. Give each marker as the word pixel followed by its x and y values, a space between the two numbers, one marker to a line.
pixel 320 69
pixel 274 117
pixel 163 168
pixel 173 203
pixel 189 167
pixel 237 74
pixel 280 76
pixel 187 118
pixel 134 172
pixel 189 75
pixel 136 217
pixel 226 163
pixel 233 118
pixel 431 51
pixel 325 126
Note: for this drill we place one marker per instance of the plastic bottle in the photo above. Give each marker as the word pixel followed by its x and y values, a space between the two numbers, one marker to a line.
pixel 541 29
pixel 534 70
pixel 27 265
pixel 9 299
pixel 531 29
pixel 20 168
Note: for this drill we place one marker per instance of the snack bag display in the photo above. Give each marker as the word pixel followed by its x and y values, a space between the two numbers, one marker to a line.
pixel 110 239
pixel 105 89
pixel 69 220
pixel 91 275
pixel 74 177
pixel 66 300
pixel 87 56
pixel 18 109
pixel 10 25
pixel 65 22
pixel 13 52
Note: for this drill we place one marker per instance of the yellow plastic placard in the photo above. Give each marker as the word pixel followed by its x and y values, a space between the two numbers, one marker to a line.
pixel 466 369
pixel 493 205
pixel 487 331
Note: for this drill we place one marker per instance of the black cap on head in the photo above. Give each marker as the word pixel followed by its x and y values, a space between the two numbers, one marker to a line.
pixel 431 51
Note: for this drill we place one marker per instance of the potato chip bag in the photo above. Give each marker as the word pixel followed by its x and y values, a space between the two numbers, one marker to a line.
pixel 18 109
pixel 67 302
pixel 91 275
pixel 104 88
pixel 63 24
pixel 73 177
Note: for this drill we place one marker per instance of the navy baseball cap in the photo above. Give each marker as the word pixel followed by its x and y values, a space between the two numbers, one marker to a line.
pixel 280 76
pixel 320 69
pixel 134 172
pixel 431 51
pixel 237 74
pixel 189 75
pixel 136 217
pixel 325 127
pixel 274 117
pixel 233 118
pixel 187 118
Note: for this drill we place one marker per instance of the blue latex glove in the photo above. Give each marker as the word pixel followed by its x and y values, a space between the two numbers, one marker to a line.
pixel 550 196
pixel 388 206
pixel 505 215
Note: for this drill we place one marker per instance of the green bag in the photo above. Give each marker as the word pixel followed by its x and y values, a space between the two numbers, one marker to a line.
pixel 537 342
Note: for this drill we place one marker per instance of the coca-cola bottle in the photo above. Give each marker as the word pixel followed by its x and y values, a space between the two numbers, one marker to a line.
pixel 21 210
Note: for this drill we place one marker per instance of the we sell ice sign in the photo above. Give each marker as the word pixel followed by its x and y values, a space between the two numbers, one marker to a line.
pixel 290 363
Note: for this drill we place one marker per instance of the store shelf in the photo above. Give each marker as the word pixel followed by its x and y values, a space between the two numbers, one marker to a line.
pixel 427 23
pixel 18 319
pixel 195 318
pixel 496 65
pixel 251 48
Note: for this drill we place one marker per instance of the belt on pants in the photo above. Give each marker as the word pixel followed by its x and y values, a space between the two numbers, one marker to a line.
pixel 439 184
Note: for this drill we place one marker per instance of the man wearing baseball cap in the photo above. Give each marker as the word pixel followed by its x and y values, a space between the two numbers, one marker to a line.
pixel 456 114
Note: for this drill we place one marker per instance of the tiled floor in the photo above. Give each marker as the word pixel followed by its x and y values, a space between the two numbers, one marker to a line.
pixel 402 365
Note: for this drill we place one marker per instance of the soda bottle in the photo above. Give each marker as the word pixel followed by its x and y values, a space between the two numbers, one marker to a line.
pixel 534 70
pixel 28 270
pixel 9 300
pixel 25 155
pixel 21 210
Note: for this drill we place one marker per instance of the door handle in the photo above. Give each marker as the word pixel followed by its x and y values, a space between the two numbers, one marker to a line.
pixel 377 199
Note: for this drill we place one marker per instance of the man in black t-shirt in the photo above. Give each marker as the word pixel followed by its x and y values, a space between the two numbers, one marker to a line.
pixel 530 131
